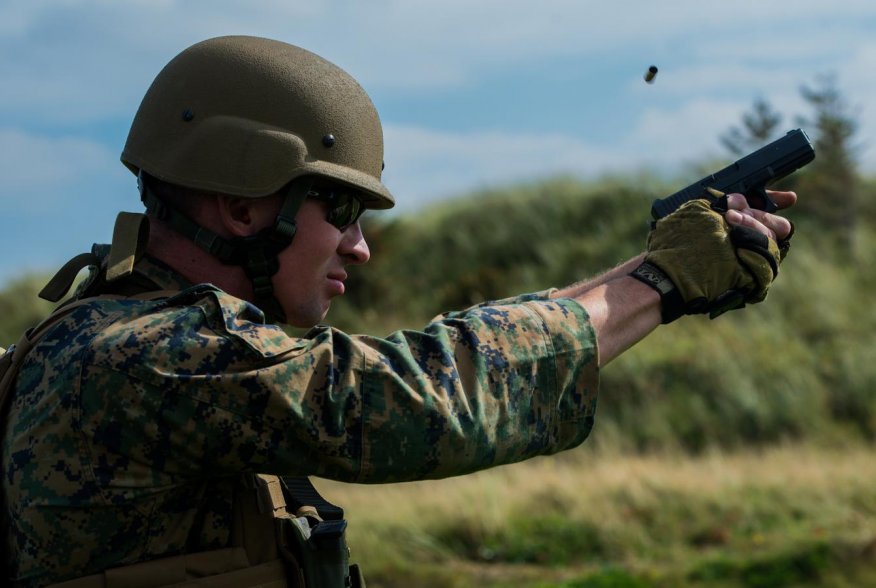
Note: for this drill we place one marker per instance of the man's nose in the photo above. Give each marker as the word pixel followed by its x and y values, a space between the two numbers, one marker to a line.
pixel 353 245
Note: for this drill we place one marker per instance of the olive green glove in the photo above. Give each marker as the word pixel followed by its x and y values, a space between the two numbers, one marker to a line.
pixel 699 263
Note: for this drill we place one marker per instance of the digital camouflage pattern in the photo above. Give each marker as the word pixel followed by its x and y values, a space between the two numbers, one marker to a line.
pixel 131 420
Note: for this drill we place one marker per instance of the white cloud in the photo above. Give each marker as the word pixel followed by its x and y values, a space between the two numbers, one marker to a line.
pixel 686 133
pixel 395 43
pixel 424 165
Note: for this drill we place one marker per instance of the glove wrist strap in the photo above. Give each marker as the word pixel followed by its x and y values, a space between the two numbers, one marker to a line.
pixel 671 303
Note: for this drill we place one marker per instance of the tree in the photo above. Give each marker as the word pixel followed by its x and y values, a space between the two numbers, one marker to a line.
pixel 21 308
pixel 832 184
pixel 758 128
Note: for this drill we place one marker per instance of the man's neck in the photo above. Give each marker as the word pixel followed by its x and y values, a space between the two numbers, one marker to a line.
pixel 195 264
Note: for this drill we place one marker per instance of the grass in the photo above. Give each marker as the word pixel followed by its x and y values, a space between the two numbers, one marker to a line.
pixel 786 516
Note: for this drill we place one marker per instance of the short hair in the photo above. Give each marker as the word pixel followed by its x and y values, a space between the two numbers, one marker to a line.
pixel 186 200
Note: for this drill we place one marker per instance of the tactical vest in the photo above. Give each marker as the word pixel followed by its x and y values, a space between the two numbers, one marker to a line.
pixel 284 533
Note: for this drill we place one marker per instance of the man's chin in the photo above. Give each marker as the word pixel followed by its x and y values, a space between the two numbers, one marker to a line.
pixel 306 320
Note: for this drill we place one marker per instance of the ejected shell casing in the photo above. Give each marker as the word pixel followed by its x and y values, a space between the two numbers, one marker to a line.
pixel 651 74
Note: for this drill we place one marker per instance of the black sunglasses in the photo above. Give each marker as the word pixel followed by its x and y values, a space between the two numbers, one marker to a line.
pixel 345 205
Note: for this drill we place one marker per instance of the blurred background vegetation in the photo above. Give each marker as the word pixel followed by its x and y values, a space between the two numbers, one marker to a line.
pixel 802 365
pixel 784 391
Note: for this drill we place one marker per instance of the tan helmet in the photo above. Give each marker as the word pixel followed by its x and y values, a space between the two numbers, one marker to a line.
pixel 245 116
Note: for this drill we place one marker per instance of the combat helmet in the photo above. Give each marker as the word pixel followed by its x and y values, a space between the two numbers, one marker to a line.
pixel 248 117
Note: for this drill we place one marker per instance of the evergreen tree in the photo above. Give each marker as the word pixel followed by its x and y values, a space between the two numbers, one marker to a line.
pixel 831 184
pixel 758 128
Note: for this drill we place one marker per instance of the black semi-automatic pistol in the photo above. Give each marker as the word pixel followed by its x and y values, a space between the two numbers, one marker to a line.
pixel 749 176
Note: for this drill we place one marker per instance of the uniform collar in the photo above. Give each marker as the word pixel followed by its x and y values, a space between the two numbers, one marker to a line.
pixel 160 274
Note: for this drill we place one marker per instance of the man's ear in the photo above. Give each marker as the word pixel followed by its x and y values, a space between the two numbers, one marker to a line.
pixel 238 215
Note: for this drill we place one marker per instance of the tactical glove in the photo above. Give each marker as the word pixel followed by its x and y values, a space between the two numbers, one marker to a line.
pixel 700 264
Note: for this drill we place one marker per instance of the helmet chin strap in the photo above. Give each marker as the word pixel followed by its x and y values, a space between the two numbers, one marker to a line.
pixel 256 254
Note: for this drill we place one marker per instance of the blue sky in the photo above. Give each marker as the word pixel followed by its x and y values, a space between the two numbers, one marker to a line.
pixel 472 93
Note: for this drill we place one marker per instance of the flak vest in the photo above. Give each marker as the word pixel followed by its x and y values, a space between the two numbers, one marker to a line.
pixel 284 534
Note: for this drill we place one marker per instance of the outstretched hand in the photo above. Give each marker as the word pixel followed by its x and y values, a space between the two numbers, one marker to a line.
pixel 773 226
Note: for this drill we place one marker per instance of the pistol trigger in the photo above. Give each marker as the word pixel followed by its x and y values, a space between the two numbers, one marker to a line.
pixel 757 198
pixel 769 205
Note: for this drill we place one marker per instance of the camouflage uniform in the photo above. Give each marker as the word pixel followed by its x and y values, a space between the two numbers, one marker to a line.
pixel 131 420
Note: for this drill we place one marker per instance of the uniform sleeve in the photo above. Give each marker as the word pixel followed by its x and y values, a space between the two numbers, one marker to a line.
pixel 206 388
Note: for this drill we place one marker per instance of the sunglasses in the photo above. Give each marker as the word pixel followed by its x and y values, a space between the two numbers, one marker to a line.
pixel 345 206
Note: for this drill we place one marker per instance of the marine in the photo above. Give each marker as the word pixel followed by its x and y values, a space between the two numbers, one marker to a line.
pixel 163 411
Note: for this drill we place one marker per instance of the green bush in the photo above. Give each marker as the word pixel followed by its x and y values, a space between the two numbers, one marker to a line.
pixel 20 308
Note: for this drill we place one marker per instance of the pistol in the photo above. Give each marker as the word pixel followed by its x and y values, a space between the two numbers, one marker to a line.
pixel 749 176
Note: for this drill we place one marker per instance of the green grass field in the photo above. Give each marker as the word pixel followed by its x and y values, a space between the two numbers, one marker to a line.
pixel 787 516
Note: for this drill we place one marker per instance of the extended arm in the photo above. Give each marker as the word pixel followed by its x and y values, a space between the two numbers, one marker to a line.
pixel 622 310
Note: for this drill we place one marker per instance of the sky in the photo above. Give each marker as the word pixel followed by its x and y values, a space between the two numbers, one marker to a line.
pixel 472 93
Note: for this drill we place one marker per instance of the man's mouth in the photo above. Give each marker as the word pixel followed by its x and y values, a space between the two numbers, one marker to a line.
pixel 336 282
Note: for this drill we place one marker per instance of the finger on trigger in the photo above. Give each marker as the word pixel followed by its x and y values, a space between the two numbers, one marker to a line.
pixel 736 201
